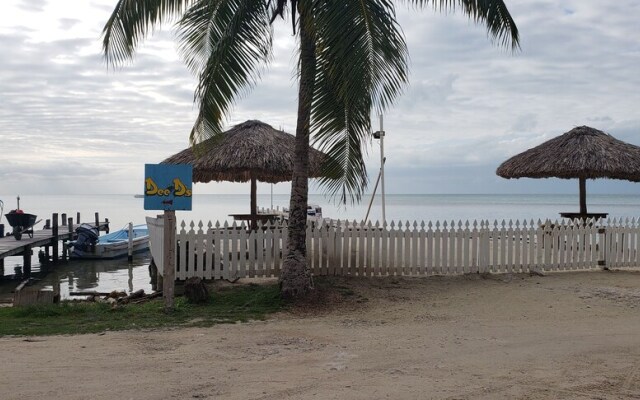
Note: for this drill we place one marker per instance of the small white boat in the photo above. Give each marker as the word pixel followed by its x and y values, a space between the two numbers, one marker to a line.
pixel 113 245
pixel 314 213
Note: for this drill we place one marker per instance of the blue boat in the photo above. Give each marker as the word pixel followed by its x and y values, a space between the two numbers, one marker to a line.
pixel 113 245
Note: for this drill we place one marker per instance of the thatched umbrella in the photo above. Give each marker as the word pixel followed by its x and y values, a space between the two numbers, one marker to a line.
pixel 583 153
pixel 250 151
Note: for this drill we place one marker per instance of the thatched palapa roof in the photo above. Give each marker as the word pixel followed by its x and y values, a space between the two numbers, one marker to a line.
pixel 249 150
pixel 583 152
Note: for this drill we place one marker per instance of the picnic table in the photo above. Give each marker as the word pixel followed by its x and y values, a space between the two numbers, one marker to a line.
pixel 583 216
pixel 254 218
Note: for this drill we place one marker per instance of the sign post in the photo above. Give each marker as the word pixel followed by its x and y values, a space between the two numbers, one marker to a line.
pixel 168 188
pixel 169 262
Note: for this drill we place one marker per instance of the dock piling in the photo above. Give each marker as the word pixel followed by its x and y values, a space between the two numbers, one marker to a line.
pixel 26 264
pixel 54 232
pixel 130 246
pixel 65 245
pixel 64 219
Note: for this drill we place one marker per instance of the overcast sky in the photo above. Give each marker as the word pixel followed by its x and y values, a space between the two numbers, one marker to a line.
pixel 69 124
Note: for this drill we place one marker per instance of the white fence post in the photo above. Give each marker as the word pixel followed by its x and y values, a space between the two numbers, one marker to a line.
pixel 402 248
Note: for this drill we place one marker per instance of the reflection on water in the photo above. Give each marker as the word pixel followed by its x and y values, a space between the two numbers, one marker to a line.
pixel 90 275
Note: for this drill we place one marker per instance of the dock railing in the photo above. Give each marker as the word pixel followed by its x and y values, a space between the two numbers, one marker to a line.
pixel 349 248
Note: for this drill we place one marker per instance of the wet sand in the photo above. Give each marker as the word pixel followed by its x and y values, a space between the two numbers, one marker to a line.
pixel 561 336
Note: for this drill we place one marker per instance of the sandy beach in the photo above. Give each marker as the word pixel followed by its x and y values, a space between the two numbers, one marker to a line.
pixel 561 336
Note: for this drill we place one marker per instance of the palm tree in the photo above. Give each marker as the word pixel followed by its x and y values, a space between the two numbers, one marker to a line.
pixel 352 59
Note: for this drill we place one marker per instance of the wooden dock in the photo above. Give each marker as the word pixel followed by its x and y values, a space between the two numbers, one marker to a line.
pixel 50 237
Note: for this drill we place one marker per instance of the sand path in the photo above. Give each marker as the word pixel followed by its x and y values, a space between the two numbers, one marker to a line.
pixel 563 336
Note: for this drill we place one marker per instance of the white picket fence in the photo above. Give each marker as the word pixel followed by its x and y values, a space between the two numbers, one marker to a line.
pixel 227 251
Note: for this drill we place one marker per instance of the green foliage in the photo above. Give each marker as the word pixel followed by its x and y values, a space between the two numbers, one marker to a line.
pixel 227 305
pixel 225 43
pixel 362 64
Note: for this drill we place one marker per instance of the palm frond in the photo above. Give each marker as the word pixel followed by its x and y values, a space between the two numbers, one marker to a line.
pixel 225 42
pixel 340 130
pixel 362 64
pixel 131 21
pixel 493 13
pixel 280 8
pixel 194 34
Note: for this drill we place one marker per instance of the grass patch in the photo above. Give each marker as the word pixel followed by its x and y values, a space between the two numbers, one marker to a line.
pixel 226 305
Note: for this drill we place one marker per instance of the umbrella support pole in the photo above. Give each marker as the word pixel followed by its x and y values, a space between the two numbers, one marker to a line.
pixel 254 203
pixel 583 195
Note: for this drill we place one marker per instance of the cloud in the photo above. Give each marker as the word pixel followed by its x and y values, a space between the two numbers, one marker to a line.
pixel 33 5
pixel 470 104
pixel 68 23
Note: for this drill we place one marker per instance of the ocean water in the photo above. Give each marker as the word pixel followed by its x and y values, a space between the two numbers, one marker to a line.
pixel 122 209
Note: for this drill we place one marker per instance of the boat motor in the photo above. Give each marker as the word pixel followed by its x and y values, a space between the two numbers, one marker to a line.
pixel 87 237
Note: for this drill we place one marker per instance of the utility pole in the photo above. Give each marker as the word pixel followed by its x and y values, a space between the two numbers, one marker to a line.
pixel 380 135
pixel 384 219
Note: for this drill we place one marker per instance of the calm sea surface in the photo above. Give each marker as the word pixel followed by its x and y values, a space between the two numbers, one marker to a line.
pixel 122 209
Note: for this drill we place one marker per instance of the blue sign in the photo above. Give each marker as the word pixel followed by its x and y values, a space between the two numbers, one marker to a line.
pixel 167 187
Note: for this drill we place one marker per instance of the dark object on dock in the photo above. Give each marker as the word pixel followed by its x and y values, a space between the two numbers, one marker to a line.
pixel 87 237
pixel 21 223
pixel 196 291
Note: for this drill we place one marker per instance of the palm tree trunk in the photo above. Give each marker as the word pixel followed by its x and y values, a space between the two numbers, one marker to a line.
pixel 295 278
